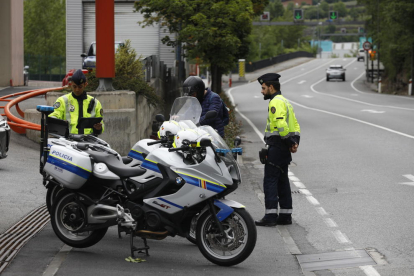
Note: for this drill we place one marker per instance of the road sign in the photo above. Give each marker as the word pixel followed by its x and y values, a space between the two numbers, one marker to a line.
pixel 298 15
pixel 265 16
pixel 333 15
pixel 366 45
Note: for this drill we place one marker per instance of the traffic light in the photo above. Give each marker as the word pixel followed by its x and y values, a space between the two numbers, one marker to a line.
pixel 361 30
pixel 372 54
pixel 333 15
pixel 298 15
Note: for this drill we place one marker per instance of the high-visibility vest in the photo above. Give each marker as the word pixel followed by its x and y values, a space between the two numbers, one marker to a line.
pixel 281 120
pixel 67 108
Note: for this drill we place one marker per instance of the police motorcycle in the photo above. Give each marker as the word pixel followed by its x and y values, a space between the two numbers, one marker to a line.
pixel 4 137
pixel 99 193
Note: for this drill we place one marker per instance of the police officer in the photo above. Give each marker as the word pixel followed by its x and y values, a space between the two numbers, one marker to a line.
pixel 282 137
pixel 78 104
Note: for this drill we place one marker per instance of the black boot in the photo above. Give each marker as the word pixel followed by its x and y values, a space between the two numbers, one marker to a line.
pixel 284 219
pixel 267 220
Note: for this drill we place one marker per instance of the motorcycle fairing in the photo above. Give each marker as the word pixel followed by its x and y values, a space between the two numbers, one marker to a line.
pixel 136 155
pixel 226 207
pixel 202 183
pixel 150 165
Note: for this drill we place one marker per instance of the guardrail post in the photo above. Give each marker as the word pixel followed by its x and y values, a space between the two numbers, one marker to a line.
pixel 379 85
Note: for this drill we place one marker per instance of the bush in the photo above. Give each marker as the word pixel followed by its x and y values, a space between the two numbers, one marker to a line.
pixel 129 74
pixel 233 129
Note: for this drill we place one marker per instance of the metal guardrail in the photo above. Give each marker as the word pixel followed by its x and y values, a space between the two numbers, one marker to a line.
pixel 17 124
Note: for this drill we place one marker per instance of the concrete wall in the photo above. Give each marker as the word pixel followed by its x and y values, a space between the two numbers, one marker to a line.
pixel 127 116
pixel 11 43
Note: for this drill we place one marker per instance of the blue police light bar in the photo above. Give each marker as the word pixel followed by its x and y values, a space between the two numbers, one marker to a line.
pixel 45 108
pixel 222 151
pixel 239 151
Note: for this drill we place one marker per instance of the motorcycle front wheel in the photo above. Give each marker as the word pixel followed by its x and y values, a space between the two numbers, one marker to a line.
pixel 235 247
pixel 68 216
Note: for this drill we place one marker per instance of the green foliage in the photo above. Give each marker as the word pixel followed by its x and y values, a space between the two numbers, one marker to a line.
pixel 44 30
pixel 233 129
pixel 276 9
pixel 129 74
pixel 391 26
pixel 341 9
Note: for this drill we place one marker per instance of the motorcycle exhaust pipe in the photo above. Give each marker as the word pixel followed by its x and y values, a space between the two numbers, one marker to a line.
pixel 101 213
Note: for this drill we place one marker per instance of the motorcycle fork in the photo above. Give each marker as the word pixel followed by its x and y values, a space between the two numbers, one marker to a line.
pixel 214 215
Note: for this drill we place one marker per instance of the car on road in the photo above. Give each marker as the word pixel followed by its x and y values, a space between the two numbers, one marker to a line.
pixel 335 72
pixel 89 61
pixel 361 55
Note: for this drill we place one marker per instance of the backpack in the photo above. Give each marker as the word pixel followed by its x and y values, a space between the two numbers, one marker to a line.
pixel 226 117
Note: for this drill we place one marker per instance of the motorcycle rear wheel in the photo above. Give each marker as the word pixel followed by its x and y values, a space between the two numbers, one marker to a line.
pixel 241 238
pixel 53 191
pixel 68 216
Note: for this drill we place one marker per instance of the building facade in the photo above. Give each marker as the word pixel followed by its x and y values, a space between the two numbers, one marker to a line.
pixel 80 32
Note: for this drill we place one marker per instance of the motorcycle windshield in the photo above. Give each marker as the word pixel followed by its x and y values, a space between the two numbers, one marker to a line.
pixel 223 149
pixel 186 108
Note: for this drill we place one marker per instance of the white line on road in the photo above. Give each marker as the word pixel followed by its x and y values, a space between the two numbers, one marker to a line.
pixel 312 200
pixel 330 222
pixel 341 238
pixel 369 270
pixel 321 211
pixel 410 177
pixel 372 111
pixel 299 185
pixel 307 96
pixel 302 81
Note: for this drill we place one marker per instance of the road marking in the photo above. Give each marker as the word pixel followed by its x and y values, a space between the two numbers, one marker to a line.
pixel 307 96
pixel 57 261
pixel 354 119
pixel 410 177
pixel 312 200
pixel 305 192
pixel 257 97
pixel 293 178
pixel 321 211
pixel 330 222
pixel 369 270
pixel 299 185
pixel 302 81
pixel 372 111
pixel 340 237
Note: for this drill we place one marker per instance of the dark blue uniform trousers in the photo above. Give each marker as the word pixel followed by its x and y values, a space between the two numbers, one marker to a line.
pixel 276 186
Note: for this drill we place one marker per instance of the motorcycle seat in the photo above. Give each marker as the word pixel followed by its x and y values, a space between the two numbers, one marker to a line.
pixel 115 165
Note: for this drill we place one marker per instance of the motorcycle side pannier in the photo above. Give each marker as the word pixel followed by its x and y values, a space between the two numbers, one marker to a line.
pixel 70 167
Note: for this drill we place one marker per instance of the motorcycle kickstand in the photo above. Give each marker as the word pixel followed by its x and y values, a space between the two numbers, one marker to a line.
pixel 135 249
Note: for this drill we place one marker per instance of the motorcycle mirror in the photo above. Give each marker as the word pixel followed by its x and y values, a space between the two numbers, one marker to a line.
pixel 211 114
pixel 205 142
pixel 237 141
pixel 26 67
pixel 159 118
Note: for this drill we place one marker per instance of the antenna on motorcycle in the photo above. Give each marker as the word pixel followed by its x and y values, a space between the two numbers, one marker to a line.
pixel 160 118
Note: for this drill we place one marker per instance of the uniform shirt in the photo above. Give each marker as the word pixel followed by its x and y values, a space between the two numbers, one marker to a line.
pixel 67 108
pixel 282 128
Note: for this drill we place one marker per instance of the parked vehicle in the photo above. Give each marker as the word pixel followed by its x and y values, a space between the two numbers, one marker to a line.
pixel 196 176
pixel 361 55
pixel 335 72
pixel 4 137
pixel 26 75
pixel 89 61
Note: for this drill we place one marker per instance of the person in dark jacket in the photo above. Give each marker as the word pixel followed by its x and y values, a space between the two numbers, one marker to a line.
pixel 209 100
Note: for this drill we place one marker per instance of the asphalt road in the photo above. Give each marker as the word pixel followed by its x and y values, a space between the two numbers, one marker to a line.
pixel 355 151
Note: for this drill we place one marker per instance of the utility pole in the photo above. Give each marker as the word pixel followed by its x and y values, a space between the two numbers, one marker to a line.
pixel 378 40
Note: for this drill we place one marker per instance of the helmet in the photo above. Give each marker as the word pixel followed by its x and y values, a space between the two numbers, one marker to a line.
pixel 184 137
pixel 194 84
pixel 169 128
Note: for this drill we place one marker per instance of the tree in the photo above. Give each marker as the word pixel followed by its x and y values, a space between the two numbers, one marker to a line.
pixel 276 9
pixel 392 29
pixel 341 9
pixel 214 31
pixel 45 28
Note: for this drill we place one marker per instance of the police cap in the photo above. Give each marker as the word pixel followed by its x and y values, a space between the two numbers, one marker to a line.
pixel 268 77
pixel 78 77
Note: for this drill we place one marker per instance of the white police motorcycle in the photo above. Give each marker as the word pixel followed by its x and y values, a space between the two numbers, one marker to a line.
pixel 196 175
pixel 4 137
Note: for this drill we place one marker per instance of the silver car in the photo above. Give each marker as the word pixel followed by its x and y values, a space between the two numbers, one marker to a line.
pixel 89 60
pixel 335 72
pixel 4 137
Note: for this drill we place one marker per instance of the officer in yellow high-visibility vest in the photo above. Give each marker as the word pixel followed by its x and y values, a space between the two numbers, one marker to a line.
pixel 78 104
pixel 282 137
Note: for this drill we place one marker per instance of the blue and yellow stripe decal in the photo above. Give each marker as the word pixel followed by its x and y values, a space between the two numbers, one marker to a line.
pixel 150 165
pixel 202 183
pixel 136 155
pixel 68 166
pixel 171 203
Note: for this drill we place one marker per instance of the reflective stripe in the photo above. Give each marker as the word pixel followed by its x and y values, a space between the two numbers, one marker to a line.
pixel 271 211
pixel 275 133
pixel 285 211
pixel 93 113
pixel 67 114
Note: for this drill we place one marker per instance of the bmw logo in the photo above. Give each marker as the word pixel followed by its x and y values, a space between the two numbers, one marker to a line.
pixel 178 180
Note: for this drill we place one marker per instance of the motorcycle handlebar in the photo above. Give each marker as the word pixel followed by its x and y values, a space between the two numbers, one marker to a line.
pixel 177 149
pixel 156 142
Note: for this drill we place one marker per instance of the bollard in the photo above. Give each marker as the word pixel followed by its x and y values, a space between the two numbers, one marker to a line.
pixel 379 85
pixel 410 87
pixel 230 79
